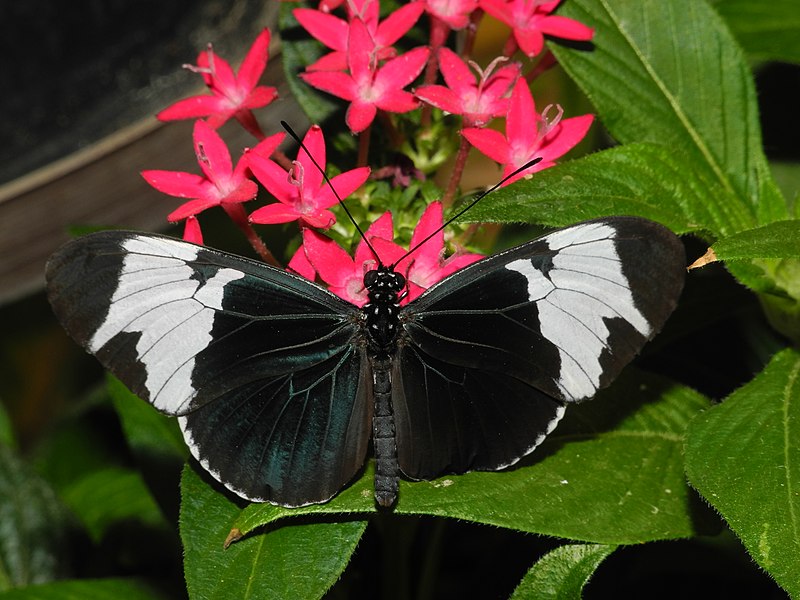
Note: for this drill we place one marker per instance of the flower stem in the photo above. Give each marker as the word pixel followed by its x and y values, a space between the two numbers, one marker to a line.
pixel 248 120
pixel 439 32
pixel 239 217
pixel 455 176
pixel 546 62
pixel 283 160
pixel 363 146
pixel 471 33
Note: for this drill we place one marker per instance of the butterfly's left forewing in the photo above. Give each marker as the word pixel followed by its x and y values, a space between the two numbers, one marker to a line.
pixel 265 369
pixel 489 356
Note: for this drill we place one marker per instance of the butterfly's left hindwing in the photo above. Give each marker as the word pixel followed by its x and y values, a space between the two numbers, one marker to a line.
pixel 260 364
pixel 489 355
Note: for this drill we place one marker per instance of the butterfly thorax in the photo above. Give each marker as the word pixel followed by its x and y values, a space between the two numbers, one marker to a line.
pixel 383 290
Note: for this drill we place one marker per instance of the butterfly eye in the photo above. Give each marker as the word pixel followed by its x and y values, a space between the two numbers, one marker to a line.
pixel 398 282
pixel 370 277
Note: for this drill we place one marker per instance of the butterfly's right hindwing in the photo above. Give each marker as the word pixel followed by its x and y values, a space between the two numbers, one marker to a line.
pixel 260 364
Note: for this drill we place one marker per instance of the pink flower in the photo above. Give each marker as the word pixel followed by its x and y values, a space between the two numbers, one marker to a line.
pixel 191 231
pixel 368 87
pixel 220 184
pixel 231 95
pixel 478 100
pixel 455 13
pixel 345 276
pixel 333 31
pixel 524 140
pixel 531 21
pixel 302 193
pixel 427 265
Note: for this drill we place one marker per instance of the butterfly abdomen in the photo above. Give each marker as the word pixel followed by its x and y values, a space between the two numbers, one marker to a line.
pixel 383 434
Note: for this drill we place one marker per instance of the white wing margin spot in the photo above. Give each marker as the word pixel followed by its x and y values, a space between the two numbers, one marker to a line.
pixel 157 298
pixel 584 286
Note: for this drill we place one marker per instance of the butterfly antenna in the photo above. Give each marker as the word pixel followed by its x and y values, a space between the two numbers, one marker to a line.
pixel 297 139
pixel 477 199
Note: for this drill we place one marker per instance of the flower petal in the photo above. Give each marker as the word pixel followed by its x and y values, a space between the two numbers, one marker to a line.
pixel 490 142
pixel 191 208
pixel 195 107
pixel 334 265
pixel 272 176
pixel 456 73
pixel 402 70
pixel 254 63
pixel 177 183
pixel 338 84
pixel 221 78
pixel 299 264
pixel 260 97
pixel 360 115
pixel 328 29
pixel 566 28
pixel 212 153
pixel 397 24
pixel 564 136
pixel 360 48
pixel 191 231
pixel 276 212
pixel 530 40
pixel 314 142
pixel 440 97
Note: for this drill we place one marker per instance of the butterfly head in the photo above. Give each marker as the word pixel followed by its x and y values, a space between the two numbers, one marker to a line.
pixel 384 284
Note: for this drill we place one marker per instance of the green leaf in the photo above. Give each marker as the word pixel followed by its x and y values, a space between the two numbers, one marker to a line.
pixel 296 561
pixel 110 495
pixel 33 525
pixel 766 30
pixel 671 73
pixel 85 589
pixel 780 239
pixel 611 473
pixel 562 573
pixel 149 433
pixel 645 180
pixel 743 456
pixel 155 441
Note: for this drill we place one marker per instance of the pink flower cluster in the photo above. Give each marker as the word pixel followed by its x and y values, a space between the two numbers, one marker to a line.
pixel 365 69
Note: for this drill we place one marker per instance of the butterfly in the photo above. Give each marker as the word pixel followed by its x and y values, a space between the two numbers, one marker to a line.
pixel 279 385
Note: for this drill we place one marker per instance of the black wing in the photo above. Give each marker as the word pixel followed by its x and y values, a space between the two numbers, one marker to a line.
pixel 489 356
pixel 264 368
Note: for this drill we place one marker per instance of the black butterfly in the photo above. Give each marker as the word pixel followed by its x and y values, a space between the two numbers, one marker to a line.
pixel 279 384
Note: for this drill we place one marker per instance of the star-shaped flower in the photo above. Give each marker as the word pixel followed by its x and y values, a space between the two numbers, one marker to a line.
pixel 333 31
pixel 302 193
pixel 477 99
pixel 529 135
pixel 232 95
pixel 221 184
pixel 345 276
pixel 531 20
pixel 369 87
pixel 427 265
